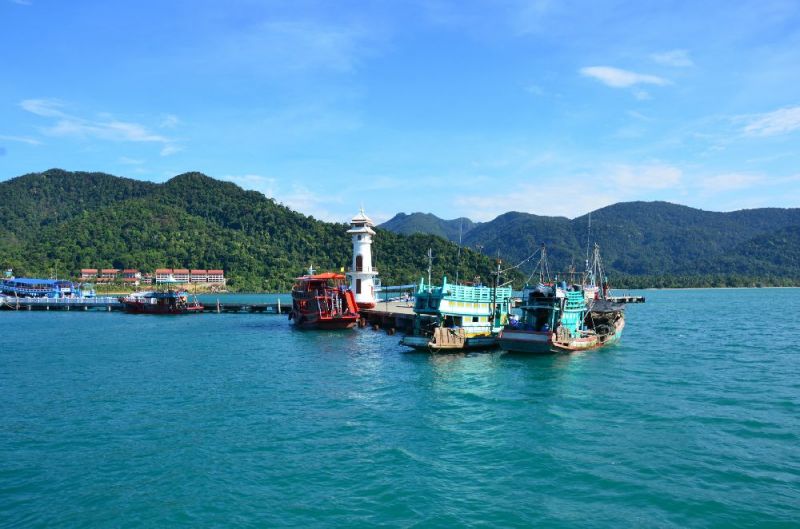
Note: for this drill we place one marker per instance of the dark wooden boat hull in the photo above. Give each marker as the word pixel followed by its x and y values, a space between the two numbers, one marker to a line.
pixel 520 341
pixel 134 307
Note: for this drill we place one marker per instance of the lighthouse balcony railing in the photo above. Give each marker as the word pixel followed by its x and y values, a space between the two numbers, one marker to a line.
pixel 361 269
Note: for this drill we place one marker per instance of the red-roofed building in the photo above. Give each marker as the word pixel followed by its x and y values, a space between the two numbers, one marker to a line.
pixel 88 273
pixel 164 275
pixel 216 276
pixel 181 275
pixel 131 276
pixel 108 275
pixel 199 276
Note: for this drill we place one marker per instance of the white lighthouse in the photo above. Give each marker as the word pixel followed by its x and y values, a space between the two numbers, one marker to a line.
pixel 362 275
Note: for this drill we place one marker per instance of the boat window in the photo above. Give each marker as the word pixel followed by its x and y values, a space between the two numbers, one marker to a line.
pixel 474 318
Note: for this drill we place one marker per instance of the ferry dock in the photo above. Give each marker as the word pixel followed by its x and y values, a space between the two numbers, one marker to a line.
pixel 108 304
pixel 392 316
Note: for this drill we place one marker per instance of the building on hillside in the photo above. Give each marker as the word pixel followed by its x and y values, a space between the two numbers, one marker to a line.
pixel 164 275
pixel 147 279
pixel 88 274
pixel 108 275
pixel 131 276
pixel 181 275
pixel 199 276
pixel 216 276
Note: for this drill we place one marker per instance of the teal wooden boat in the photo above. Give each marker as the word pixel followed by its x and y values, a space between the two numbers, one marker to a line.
pixel 561 318
pixel 455 317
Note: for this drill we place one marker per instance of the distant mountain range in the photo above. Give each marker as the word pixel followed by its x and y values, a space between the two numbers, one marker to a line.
pixel 655 240
pixel 59 222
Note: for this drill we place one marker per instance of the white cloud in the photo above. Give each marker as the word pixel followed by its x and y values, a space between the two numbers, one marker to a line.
pixel 676 58
pixel 535 90
pixel 618 78
pixel 310 120
pixel 21 139
pixel 616 183
pixel 532 198
pixel 49 108
pixel 278 47
pixel 630 179
pixel 728 182
pixel 110 130
pixel 170 149
pixel 263 184
pixel 106 127
pixel 301 198
pixel 781 121
pixel 130 161
pixel 169 121
pixel 638 115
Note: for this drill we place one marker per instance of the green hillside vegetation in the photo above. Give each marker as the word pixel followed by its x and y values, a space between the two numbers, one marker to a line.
pixel 658 244
pixel 59 221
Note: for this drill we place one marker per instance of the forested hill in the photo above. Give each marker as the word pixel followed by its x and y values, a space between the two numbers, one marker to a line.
pixel 656 243
pixel 453 230
pixel 64 221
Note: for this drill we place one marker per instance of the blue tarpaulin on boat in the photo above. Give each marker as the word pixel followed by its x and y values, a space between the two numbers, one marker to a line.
pixel 25 281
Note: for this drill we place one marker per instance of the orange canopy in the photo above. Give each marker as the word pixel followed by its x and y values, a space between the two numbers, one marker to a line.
pixel 324 276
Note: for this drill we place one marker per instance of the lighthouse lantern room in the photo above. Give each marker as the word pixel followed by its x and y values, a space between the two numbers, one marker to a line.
pixel 361 274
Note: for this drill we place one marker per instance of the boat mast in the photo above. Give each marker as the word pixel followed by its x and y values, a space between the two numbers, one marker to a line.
pixel 494 290
pixel 544 269
pixel 430 266
pixel 458 258
pixel 588 271
pixel 597 270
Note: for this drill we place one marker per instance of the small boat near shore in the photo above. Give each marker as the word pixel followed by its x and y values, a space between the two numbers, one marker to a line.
pixel 323 301
pixel 169 302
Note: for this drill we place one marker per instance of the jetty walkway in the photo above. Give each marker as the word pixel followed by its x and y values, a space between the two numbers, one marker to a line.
pixel 108 303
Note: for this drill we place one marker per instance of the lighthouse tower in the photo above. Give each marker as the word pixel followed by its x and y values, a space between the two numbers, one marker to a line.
pixel 361 274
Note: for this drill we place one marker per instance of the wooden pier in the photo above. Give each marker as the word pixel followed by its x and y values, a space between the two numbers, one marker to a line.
pixel 626 299
pixel 392 315
pixel 108 304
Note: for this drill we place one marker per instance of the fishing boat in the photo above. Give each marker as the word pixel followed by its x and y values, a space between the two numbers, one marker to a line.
pixel 455 317
pixel 169 302
pixel 323 301
pixel 561 318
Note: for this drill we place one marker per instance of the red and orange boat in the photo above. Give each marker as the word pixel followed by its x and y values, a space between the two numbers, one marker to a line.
pixel 323 301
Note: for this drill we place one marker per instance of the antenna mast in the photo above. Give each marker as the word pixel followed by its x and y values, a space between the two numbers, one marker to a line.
pixel 458 258
pixel 430 266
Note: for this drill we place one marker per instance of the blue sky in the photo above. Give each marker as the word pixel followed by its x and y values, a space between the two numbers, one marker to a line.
pixel 456 108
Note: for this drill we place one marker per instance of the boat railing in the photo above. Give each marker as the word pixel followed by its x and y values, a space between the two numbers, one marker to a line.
pixel 64 301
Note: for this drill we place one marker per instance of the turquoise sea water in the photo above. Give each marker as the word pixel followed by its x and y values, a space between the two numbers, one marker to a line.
pixel 115 420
